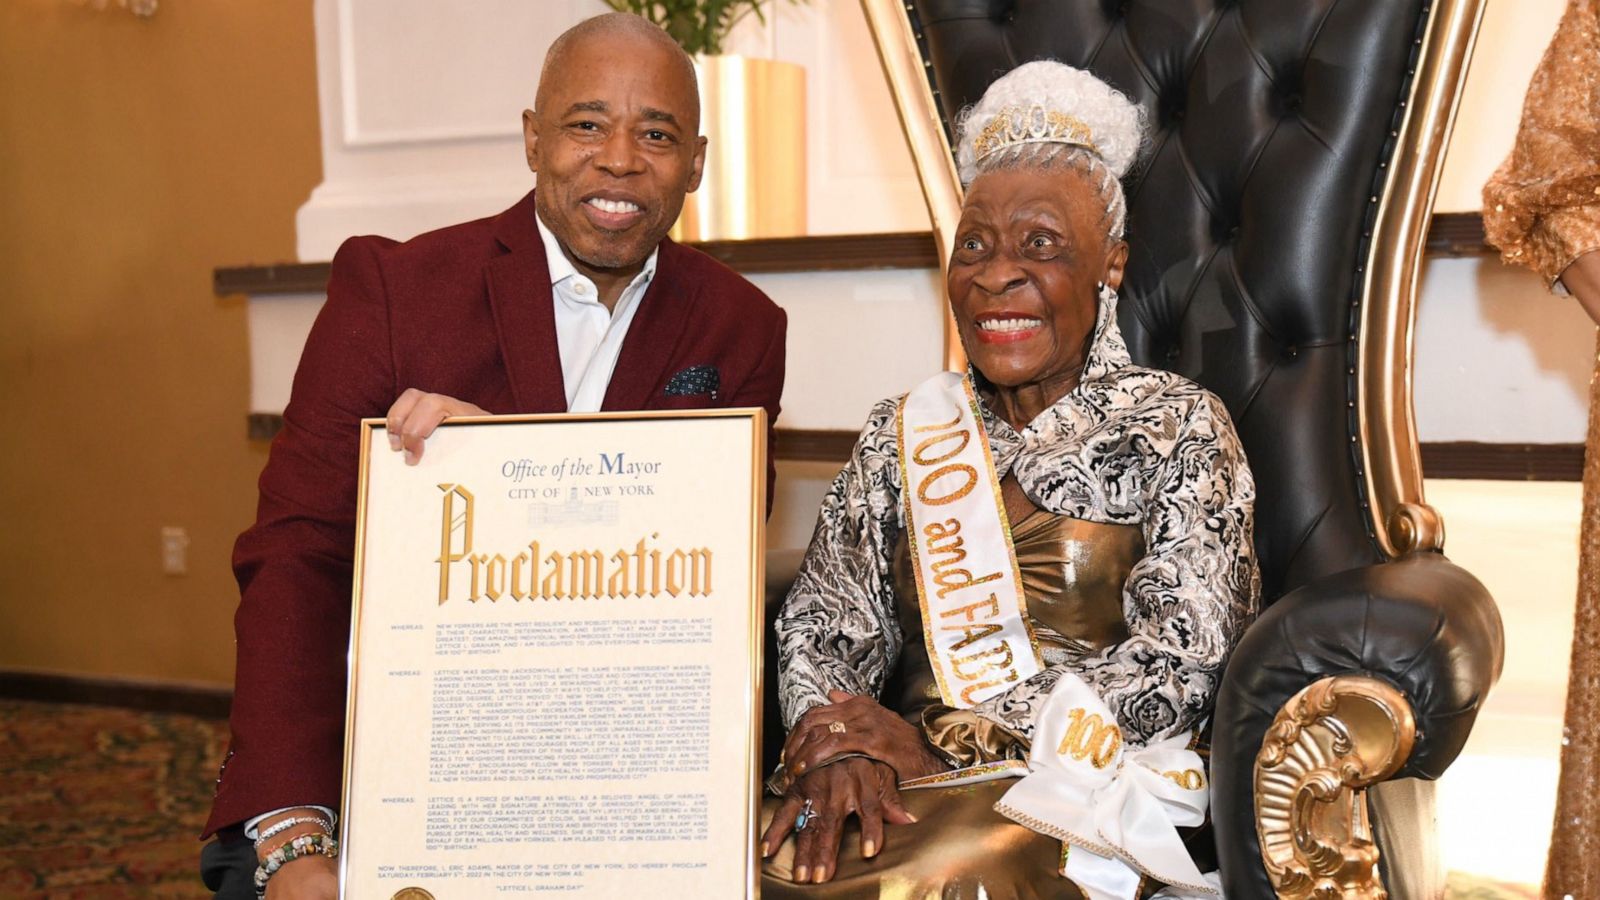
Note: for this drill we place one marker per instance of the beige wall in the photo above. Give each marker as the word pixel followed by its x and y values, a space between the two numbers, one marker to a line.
pixel 1510 43
pixel 135 156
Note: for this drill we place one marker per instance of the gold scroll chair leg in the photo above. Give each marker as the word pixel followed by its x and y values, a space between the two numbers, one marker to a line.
pixel 1326 747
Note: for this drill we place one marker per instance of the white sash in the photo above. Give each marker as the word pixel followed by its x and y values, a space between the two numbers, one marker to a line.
pixel 974 615
pixel 1119 808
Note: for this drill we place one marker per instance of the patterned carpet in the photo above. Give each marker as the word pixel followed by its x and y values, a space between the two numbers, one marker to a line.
pixel 106 803
pixel 103 803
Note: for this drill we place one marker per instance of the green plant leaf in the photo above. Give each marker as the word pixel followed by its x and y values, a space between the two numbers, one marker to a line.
pixel 700 27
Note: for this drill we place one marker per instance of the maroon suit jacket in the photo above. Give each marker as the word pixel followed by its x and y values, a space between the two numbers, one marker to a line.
pixel 465 311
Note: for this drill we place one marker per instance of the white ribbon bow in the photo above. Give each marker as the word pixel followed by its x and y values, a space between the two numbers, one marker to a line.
pixel 1119 808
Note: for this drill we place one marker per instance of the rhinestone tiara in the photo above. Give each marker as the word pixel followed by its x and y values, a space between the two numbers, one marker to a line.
pixel 1014 125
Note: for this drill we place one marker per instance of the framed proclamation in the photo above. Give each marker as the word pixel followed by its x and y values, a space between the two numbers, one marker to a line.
pixel 555 659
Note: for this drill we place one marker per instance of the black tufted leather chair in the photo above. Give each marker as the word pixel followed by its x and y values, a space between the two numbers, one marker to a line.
pixel 1294 148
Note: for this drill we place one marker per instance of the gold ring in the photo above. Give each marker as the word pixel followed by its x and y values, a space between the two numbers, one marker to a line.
pixel 836 727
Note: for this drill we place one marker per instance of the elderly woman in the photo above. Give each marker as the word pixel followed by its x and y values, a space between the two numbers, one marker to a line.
pixel 1022 589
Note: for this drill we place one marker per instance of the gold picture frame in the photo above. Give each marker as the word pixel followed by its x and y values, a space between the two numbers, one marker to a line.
pixel 449 604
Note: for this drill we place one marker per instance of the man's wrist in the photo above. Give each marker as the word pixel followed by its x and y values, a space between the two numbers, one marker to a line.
pixel 253 825
pixel 293 854
pixel 282 827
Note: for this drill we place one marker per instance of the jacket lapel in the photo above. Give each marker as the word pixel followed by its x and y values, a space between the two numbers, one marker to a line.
pixel 524 312
pixel 664 314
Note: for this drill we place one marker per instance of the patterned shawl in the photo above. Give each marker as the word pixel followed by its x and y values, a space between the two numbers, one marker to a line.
pixel 1128 446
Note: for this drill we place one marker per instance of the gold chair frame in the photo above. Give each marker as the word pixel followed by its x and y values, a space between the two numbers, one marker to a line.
pixel 1401 519
pixel 1311 819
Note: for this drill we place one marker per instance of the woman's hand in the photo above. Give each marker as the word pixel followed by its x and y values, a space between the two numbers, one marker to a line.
pixel 1582 280
pixel 306 878
pixel 856 724
pixel 861 787
pixel 416 414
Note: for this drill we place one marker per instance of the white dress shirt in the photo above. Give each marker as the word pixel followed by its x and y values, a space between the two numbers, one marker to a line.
pixel 589 336
pixel 589 339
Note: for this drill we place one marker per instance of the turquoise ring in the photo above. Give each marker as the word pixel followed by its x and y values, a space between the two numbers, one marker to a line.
pixel 804 818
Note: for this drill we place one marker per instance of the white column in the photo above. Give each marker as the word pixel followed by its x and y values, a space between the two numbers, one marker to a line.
pixel 421 112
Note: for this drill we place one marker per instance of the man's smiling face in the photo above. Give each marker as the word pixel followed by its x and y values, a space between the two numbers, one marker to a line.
pixel 615 143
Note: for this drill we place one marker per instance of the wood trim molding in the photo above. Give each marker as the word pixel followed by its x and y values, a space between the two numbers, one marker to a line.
pixel 1451 234
pixel 1449 459
pixel 801 445
pixel 1503 462
pixel 278 278
pixel 827 253
pixel 1457 234
pixel 821 253
pixel 149 696
pixel 263 426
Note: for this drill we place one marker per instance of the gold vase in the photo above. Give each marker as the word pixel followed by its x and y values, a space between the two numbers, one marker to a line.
pixel 753 114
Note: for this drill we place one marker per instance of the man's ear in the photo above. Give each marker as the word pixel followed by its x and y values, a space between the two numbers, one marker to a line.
pixel 530 139
pixel 1116 264
pixel 697 166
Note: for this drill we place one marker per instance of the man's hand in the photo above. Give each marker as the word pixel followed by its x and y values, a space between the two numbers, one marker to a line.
pixel 856 724
pixel 861 787
pixel 306 878
pixel 416 414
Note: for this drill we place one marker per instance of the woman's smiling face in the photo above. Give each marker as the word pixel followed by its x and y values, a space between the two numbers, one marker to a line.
pixel 1031 249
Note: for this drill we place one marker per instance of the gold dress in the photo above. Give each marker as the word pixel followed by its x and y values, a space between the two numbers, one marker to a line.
pixel 1073 573
pixel 1542 210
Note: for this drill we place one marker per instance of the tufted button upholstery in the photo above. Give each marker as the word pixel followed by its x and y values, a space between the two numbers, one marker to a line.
pixel 1247 215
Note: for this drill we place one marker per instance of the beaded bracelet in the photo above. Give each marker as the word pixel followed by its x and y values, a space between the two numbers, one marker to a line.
pixel 280 827
pixel 304 845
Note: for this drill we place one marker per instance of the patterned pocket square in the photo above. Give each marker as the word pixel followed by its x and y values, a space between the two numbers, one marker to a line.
pixel 694 381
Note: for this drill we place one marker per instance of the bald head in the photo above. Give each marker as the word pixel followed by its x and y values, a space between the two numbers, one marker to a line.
pixel 615 144
pixel 615 30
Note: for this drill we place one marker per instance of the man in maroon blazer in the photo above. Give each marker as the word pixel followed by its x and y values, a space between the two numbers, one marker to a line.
pixel 572 299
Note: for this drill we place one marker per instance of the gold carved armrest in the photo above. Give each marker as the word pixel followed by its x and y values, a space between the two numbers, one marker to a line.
pixel 1327 745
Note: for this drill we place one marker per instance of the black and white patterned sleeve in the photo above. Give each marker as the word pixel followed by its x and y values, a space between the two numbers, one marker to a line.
pixel 837 629
pixel 1186 602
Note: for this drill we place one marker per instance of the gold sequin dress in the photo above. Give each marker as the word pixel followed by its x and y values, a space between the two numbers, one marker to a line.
pixel 1542 210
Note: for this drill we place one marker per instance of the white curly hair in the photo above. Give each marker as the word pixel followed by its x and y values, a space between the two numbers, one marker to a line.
pixel 1115 124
